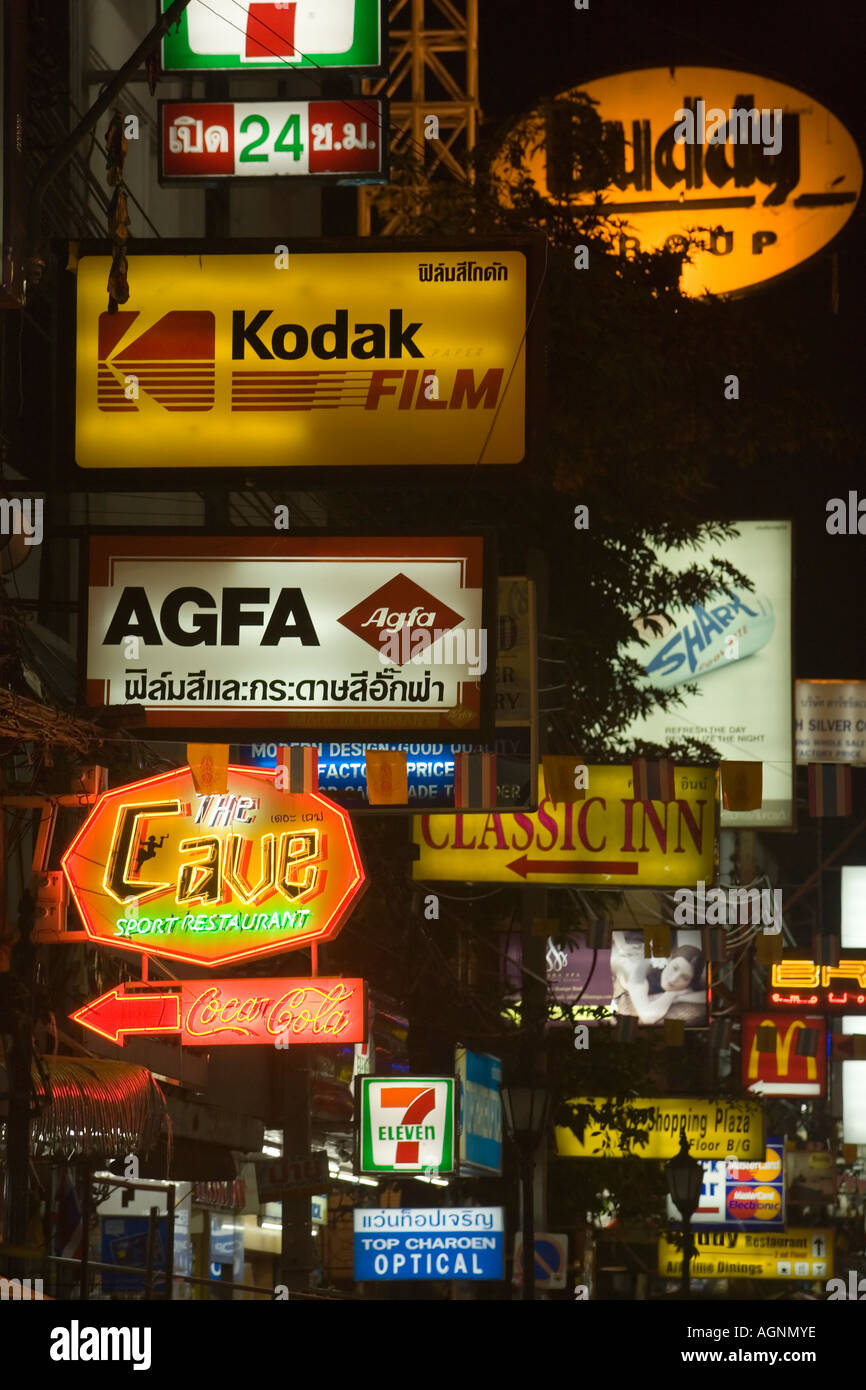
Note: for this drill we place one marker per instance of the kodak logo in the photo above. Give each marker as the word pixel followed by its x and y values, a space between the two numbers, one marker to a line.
pixel 327 341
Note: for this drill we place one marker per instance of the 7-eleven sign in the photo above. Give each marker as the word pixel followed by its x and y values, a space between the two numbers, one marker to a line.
pixel 407 1124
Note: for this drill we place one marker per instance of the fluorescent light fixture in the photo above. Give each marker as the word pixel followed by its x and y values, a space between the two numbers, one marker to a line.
pixel 271 1151
pixel 272 1225
pixel 853 1023
pixel 853 907
pixel 437 1182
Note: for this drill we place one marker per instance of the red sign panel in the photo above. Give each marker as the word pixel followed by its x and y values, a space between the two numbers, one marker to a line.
pixel 214 1013
pixel 342 140
pixel 797 1063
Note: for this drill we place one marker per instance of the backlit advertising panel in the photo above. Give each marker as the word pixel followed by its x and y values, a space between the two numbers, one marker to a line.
pixel 236 634
pixel 741 1194
pixel 479 1078
pixel 792 1254
pixel 714 1129
pixel 753 176
pixel 247 35
pixel 158 868
pixel 621 980
pixel 342 141
pixel 429 1243
pixel 830 722
pixel 292 356
pixel 606 839
pixel 407 1124
pixel 737 647
pixel 784 1070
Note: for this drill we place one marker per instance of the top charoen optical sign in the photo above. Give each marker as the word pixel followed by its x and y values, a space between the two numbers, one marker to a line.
pixel 760 175
pixel 223 35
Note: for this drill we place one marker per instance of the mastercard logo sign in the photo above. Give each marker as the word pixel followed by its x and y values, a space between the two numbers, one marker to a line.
pixel 754 1203
pixel 768 1170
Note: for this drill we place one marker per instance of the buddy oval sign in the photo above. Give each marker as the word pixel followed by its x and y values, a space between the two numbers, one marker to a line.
pixel 760 175
pixel 158 868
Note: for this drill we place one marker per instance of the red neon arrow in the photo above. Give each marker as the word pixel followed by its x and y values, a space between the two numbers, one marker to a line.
pixel 117 1013
pixel 524 866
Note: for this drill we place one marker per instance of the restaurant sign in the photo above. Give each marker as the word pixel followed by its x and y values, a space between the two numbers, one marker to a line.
pixel 608 838
pixel 160 869
pixel 288 634
pixel 238 35
pixel 791 1254
pixel 288 356
pixel 343 141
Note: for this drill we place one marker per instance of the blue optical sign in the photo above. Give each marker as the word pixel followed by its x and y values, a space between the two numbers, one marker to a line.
pixel 430 769
pixel 429 1243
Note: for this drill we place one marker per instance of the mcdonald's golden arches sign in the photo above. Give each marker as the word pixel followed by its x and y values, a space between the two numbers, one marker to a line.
pixel 784 1054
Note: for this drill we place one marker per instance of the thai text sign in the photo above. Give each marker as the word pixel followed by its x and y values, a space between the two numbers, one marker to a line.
pixel 784 1070
pixel 747 1194
pixel 759 175
pixel 284 358
pixel 792 1254
pixel 607 839
pixel 407 1124
pixel 714 1129
pixel 830 721
pixel 429 1243
pixel 334 633
pixel 226 35
pixel 158 868
pixel 342 140
pixel 803 984
pixel 216 1013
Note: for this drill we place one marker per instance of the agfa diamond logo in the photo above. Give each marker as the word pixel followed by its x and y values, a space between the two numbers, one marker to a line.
pixel 173 361
pixel 401 605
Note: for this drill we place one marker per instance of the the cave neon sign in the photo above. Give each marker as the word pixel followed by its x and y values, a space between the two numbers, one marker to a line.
pixel 158 868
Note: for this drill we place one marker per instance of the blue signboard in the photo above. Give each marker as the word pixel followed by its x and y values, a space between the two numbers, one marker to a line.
pixel 430 769
pixel 429 1243
pixel 479 1076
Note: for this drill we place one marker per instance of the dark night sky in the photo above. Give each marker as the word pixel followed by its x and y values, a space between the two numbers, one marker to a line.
pixel 536 48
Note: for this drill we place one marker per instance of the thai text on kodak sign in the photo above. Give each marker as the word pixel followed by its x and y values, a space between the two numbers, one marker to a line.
pixel 295 358
pixel 714 1129
pixel 607 838
pixel 158 868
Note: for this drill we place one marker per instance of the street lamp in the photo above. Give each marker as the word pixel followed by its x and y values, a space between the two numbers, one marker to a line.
pixel 525 1109
pixel 685 1178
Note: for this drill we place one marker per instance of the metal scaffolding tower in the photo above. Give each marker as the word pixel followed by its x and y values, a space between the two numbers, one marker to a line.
pixel 433 72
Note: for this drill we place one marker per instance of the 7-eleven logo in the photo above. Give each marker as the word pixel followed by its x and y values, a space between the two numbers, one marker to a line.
pixel 272 33
pixel 407 1124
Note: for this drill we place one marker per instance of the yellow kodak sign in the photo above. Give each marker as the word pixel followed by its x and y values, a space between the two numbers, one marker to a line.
pixel 608 838
pixel 792 1254
pixel 714 1128
pixel 275 359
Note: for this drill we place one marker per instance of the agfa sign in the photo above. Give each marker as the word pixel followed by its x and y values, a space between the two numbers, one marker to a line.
pixel 289 357
pixel 159 869
pixel 761 175
pixel 407 1124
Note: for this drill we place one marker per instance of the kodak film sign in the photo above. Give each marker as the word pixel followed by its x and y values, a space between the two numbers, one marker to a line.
pixel 608 838
pixel 286 358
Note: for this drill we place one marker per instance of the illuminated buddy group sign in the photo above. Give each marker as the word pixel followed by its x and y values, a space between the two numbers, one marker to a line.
pixel 296 358
pixel 760 175
pixel 406 1124
pixel 333 633
pixel 714 1129
pixel 211 879
pixel 609 838
pixel 792 1254
pixel 226 35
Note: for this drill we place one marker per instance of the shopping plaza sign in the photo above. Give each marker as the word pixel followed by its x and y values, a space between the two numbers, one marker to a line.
pixel 608 838
pixel 160 869
pixel 406 1124
pixel 714 1129
pixel 228 35
pixel 281 357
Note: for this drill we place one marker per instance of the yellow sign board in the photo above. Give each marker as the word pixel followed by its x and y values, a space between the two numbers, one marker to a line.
pixel 792 1254
pixel 608 838
pixel 714 1129
pixel 759 175
pixel 325 359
